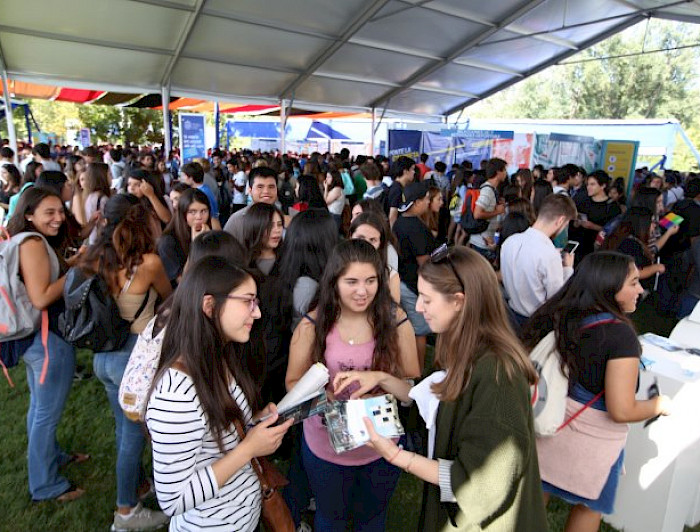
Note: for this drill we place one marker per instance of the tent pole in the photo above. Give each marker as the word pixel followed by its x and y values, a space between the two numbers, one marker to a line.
pixel 216 125
pixel 374 119
pixel 283 126
pixel 689 143
pixel 28 122
pixel 167 130
pixel 8 111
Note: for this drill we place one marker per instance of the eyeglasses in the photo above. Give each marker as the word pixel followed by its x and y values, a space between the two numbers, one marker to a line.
pixel 253 302
pixel 442 253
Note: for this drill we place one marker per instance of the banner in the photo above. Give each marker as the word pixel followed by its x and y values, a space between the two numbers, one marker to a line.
pixel 517 152
pixel 84 137
pixel 192 144
pixel 557 150
pixel 438 148
pixel 472 149
pixel 618 158
pixel 404 142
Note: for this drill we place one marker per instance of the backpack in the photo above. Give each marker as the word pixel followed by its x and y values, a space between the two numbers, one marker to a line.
pixel 550 392
pixel 140 372
pixel 224 199
pixel 348 185
pixel 471 225
pixel 91 319
pixel 18 317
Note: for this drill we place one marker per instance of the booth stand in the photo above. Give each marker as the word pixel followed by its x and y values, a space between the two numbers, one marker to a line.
pixel 660 490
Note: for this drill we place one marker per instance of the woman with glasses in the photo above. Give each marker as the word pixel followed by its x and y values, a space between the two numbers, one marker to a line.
pixel 481 471
pixel 191 218
pixel 581 464
pixel 204 478
pixel 125 257
pixel 353 326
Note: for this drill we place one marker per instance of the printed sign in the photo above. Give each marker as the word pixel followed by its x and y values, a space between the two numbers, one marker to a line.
pixel 192 144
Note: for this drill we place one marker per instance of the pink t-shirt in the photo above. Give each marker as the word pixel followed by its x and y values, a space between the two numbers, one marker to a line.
pixel 340 356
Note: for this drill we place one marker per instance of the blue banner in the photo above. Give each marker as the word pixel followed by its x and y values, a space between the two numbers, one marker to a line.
pixel 438 148
pixel 192 144
pixel 472 149
pixel 404 142
pixel 480 134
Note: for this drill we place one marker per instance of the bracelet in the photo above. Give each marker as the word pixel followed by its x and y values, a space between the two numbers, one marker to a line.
pixel 408 465
pixel 391 460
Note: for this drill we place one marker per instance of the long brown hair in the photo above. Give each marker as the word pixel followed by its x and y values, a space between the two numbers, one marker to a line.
pixel 97 179
pixel 380 312
pixel 123 242
pixel 482 325
pixel 198 340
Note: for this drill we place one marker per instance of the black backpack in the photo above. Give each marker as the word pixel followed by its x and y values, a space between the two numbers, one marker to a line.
pixel 224 199
pixel 91 319
pixel 471 225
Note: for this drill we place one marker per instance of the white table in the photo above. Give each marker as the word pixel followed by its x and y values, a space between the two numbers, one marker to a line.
pixel 660 491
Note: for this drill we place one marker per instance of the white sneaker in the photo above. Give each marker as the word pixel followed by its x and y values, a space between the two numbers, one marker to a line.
pixel 141 519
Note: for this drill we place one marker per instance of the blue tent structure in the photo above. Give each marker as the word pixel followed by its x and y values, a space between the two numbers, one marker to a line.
pixel 28 116
pixel 319 130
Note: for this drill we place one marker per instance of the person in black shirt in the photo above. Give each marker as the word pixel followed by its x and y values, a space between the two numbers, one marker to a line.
pixel 404 173
pixel 598 209
pixel 415 244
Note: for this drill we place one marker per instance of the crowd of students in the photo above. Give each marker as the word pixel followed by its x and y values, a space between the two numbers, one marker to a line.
pixel 355 263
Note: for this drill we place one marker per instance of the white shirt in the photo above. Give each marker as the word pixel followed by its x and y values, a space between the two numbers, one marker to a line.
pixel 240 180
pixel 532 270
pixel 184 450
pixel 488 202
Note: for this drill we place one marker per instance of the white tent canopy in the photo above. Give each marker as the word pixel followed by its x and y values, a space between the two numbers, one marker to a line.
pixel 430 58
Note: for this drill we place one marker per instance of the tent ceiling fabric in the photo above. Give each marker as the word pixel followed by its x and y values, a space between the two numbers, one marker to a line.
pixel 407 56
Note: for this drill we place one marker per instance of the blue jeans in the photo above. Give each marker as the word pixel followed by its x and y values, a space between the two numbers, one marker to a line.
pixel 350 493
pixel 46 404
pixel 109 368
pixel 687 305
pixel 408 304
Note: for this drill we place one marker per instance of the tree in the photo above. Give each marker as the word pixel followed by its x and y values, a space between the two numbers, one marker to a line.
pixel 606 81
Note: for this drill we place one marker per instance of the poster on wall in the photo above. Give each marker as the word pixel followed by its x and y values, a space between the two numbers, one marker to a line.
pixel 558 149
pixel 84 136
pixel 618 158
pixel 517 152
pixel 192 144
pixel 438 148
pixel 404 142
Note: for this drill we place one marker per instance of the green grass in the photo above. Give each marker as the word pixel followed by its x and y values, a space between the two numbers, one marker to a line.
pixel 87 426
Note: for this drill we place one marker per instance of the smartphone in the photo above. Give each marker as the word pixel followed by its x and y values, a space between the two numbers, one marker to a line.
pixel 582 217
pixel 570 246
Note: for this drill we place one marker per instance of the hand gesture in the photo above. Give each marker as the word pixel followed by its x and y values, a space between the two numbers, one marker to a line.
pixel 264 439
pixel 384 446
pixel 665 405
pixel 673 229
pixel 367 380
pixel 198 229
pixel 500 208
pixel 146 189
pixel 567 260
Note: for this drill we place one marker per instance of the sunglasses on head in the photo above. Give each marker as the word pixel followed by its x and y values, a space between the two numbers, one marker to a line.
pixel 442 253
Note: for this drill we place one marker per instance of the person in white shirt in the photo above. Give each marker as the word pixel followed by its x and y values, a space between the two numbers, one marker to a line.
pixel 239 181
pixel 533 269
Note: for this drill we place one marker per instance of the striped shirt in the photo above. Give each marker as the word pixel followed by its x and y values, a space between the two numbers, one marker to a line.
pixel 184 450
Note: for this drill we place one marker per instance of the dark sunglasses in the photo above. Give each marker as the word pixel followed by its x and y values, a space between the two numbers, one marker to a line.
pixel 442 253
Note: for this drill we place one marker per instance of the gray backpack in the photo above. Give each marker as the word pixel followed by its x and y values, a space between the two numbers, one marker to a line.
pixel 18 317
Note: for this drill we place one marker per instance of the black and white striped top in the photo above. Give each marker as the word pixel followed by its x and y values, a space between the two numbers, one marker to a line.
pixel 184 450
